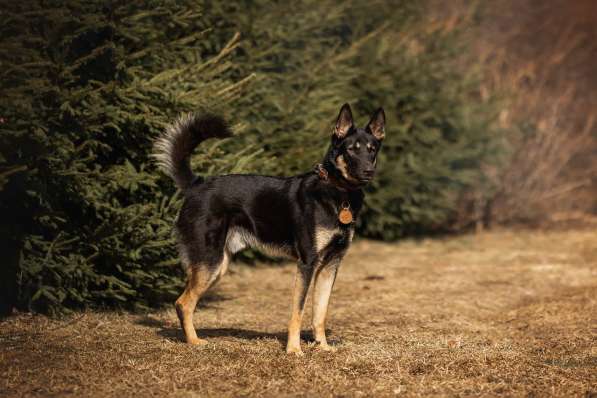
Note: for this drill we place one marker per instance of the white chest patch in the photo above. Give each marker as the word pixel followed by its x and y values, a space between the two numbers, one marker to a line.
pixel 323 236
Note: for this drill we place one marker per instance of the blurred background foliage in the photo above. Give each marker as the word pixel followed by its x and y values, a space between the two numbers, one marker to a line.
pixel 87 86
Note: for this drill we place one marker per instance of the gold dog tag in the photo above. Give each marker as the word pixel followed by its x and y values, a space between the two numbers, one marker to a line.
pixel 345 215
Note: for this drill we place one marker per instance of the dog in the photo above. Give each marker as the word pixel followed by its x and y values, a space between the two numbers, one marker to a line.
pixel 308 217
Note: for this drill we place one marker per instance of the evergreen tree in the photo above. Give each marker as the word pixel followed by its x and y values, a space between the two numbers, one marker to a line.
pixel 87 86
pixel 312 57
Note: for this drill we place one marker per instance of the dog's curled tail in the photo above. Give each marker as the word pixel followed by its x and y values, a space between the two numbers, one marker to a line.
pixel 173 149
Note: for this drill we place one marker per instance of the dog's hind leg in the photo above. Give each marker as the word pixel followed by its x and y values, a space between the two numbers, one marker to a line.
pixel 302 281
pixel 200 277
pixel 322 289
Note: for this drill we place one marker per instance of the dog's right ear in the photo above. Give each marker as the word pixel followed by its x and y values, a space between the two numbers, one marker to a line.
pixel 344 122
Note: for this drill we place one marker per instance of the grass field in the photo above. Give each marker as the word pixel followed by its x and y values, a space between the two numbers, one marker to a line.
pixel 507 312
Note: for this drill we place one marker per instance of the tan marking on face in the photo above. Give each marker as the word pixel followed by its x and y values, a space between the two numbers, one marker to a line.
pixel 343 167
pixel 357 145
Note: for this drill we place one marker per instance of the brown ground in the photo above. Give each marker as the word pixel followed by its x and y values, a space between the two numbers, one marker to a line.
pixel 512 313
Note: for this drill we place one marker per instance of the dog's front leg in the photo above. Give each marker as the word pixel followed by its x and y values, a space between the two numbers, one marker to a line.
pixel 302 280
pixel 323 284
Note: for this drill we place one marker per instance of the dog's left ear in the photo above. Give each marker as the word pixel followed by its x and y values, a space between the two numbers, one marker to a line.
pixel 377 124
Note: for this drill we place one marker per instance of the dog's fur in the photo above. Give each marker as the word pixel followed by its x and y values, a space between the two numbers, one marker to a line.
pixel 295 216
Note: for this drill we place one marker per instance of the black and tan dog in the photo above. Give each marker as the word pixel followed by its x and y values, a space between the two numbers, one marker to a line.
pixel 309 217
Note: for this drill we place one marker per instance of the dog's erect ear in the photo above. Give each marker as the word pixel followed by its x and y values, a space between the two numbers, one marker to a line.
pixel 377 124
pixel 344 122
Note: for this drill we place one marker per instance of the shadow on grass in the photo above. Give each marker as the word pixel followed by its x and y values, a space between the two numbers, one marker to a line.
pixel 176 334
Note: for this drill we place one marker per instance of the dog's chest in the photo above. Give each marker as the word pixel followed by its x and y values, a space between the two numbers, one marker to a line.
pixel 325 237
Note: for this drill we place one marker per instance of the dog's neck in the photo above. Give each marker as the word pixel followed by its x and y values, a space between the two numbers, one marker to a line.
pixel 334 175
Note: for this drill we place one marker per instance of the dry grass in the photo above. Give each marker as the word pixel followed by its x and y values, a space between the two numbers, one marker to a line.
pixel 512 313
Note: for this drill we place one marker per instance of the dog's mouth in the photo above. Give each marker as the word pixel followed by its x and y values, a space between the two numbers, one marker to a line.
pixel 362 181
pixel 366 177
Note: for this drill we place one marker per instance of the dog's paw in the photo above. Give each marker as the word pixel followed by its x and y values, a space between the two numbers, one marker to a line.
pixel 326 347
pixel 196 341
pixel 295 351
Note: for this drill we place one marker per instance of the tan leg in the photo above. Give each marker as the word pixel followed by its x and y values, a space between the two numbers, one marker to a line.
pixel 200 278
pixel 324 282
pixel 301 287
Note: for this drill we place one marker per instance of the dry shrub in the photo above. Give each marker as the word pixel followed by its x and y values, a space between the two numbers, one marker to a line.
pixel 545 173
pixel 540 57
pixel 543 55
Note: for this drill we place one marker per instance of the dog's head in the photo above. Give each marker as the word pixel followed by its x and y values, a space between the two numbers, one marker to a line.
pixel 354 150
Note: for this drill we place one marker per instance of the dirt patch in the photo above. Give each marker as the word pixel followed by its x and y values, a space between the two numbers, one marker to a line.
pixel 511 313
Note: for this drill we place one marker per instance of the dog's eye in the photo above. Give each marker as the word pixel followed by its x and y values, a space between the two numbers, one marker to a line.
pixel 354 147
